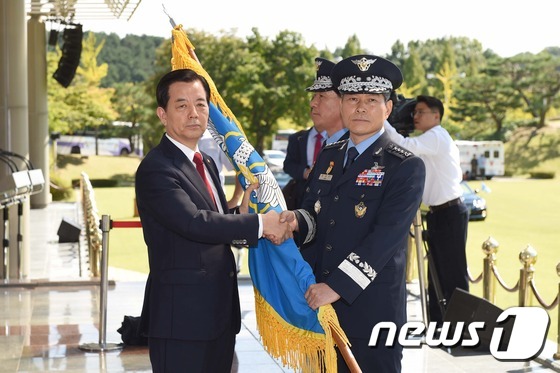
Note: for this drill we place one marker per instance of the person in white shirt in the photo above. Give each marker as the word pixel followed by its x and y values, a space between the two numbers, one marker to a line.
pixel 448 217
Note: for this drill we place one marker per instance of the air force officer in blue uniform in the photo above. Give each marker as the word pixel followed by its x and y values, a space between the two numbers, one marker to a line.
pixel 359 203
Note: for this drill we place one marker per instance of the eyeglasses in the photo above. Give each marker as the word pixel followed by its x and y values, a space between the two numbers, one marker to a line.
pixel 420 112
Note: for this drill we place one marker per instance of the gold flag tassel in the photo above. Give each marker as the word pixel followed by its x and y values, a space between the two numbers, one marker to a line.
pixel 299 349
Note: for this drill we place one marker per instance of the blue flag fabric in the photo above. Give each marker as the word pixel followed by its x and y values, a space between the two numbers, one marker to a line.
pixel 290 330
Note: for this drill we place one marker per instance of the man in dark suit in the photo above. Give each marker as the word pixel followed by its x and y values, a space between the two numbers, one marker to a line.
pixel 191 310
pixel 304 145
pixel 360 200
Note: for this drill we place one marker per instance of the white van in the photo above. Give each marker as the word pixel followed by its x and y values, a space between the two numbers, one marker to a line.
pixel 489 157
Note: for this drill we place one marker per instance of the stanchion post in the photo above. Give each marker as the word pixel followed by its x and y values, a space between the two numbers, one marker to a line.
pixel 103 345
pixel 6 245
pixel 417 222
pixel 527 257
pixel 556 356
pixel 490 248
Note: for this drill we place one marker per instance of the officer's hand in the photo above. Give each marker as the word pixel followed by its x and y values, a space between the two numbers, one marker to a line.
pixel 289 217
pixel 320 294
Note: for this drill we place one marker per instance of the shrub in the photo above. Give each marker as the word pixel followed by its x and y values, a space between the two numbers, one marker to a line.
pixel 542 174
pixel 104 183
pixel 59 189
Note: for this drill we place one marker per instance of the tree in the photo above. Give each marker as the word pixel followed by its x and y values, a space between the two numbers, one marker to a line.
pixel 447 75
pixel 152 129
pixel 351 48
pixel 132 103
pixel 536 79
pixel 483 101
pixel 130 59
pixel 414 75
pixel 83 104
pixel 269 84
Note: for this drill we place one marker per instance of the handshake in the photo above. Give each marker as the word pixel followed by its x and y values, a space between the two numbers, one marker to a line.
pixel 276 227
pixel 279 227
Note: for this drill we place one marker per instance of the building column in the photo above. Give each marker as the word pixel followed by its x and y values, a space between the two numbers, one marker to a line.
pixel 38 108
pixel 14 134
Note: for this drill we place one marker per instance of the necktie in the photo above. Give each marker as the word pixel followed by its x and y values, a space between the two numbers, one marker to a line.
pixel 351 156
pixel 200 168
pixel 318 146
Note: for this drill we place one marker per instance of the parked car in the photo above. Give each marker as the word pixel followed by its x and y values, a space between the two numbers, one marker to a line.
pixel 281 177
pixel 274 158
pixel 475 203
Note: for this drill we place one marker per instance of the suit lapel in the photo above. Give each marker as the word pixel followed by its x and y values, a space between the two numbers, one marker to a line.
pixel 181 162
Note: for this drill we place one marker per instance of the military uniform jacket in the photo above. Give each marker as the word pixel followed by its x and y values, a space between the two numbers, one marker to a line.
pixel 353 229
pixel 191 292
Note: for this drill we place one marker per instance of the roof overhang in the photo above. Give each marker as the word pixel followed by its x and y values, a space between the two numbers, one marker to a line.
pixel 78 11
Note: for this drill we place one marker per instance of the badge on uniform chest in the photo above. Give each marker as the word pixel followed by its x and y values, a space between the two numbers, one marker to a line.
pixel 327 175
pixel 317 207
pixel 371 176
pixel 360 210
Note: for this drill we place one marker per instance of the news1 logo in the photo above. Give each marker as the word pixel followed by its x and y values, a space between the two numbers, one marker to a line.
pixel 526 340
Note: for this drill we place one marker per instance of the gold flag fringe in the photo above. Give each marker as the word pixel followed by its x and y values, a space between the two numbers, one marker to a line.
pixel 299 349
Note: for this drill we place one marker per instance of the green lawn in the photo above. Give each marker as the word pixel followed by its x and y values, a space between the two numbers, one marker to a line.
pixel 521 212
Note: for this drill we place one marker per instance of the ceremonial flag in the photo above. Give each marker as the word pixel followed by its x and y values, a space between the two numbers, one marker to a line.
pixel 290 330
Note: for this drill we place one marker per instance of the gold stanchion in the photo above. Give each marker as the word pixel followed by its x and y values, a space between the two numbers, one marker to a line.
pixel 556 356
pixel 527 257
pixel 490 248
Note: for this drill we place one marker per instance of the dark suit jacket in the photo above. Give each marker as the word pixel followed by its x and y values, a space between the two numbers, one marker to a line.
pixel 295 163
pixel 191 292
pixel 363 216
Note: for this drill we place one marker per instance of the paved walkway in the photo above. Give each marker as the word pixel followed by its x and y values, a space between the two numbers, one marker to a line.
pixel 48 319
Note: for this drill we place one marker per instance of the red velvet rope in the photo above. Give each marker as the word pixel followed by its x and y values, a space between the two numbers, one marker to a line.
pixel 126 224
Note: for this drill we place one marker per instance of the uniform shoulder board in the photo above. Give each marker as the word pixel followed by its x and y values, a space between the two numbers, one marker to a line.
pixel 336 144
pixel 399 151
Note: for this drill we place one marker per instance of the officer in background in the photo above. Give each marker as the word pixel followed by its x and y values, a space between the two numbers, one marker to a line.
pixel 325 103
pixel 360 200
pixel 305 145
pixel 448 217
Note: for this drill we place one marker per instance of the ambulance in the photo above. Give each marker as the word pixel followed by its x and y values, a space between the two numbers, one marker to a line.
pixel 489 157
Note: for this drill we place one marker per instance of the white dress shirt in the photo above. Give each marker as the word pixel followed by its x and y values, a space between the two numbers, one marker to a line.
pixel 441 157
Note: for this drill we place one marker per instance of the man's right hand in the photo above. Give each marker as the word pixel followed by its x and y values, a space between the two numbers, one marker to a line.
pixel 276 231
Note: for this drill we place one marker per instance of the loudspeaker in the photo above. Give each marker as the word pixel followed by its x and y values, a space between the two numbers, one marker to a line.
pixel 71 53
pixel 68 231
pixel 469 308
pixel 53 37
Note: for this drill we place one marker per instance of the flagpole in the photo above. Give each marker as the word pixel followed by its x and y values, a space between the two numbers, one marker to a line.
pixel 346 353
